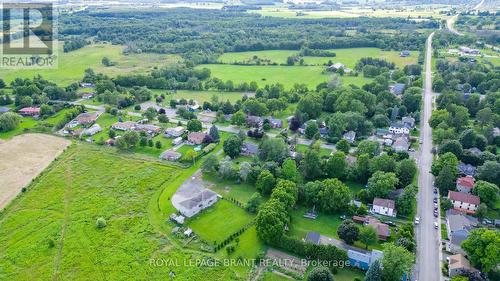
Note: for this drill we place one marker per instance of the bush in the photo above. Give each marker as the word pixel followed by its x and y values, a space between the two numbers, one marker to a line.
pixel 100 223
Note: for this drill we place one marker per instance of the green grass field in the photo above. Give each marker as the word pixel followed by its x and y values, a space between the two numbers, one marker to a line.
pixel 215 223
pixel 241 192
pixel 347 56
pixel 49 232
pixel 286 75
pixel 324 224
pixel 72 65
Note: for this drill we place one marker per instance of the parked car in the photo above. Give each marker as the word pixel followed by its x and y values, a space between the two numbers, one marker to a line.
pixel 435 191
pixel 436 225
pixel 417 220
pixel 435 200
pixel 390 223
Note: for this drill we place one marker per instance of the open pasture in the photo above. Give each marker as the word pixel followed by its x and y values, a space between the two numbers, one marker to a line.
pixel 71 66
pixel 50 232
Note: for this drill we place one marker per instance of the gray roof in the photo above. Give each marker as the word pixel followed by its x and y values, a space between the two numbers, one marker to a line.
pixel 4 109
pixel 313 237
pixel 359 256
pixel 250 148
pixel 199 198
pixel 458 221
pixel 466 169
pixel 398 88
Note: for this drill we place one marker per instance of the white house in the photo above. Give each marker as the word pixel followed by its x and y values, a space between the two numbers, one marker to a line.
pixel 464 202
pixel 384 207
pixel 197 202
pixel 94 129
pixel 174 132
pixel 399 128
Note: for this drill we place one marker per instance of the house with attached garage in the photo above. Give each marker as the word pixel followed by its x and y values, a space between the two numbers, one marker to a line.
pixel 399 128
pixel 464 202
pixel 174 132
pixel 197 202
pixel 196 138
pixel 384 207
pixel 458 228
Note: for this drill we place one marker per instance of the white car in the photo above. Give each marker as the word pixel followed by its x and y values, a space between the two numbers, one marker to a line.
pixel 417 220
pixel 436 225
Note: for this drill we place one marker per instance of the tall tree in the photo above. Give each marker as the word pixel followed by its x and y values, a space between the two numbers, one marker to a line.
pixel 368 236
pixel 348 231
pixel 395 262
pixel 265 182
pixel 214 133
pixel 232 146
pixel 381 184
pixel 483 248
pixel 488 192
pixel 374 272
pixel 336 166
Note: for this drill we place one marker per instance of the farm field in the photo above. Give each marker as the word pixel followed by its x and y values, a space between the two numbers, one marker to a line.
pixel 71 65
pixel 347 56
pixel 23 158
pixel 286 75
pixel 50 232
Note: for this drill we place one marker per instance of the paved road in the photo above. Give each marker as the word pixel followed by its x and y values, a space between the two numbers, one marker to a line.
pixel 428 238
pixel 450 22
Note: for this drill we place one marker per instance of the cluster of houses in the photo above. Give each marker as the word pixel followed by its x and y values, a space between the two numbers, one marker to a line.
pixel 397 135
pixel 459 222
pixel 83 125
pixel 151 130
pixel 258 122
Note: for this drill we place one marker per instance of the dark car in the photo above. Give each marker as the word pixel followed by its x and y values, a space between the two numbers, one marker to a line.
pixel 435 214
pixel 390 223
pixel 435 200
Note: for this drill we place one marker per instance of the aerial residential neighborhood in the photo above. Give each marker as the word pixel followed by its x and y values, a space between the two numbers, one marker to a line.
pixel 250 140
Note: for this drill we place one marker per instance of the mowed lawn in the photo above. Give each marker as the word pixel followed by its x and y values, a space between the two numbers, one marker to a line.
pixel 50 233
pixel 71 66
pixel 311 76
pixel 324 224
pixel 219 221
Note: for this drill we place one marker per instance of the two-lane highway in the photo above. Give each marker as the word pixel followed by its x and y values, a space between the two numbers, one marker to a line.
pixel 428 238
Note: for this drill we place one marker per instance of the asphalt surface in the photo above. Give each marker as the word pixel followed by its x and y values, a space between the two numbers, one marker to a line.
pixel 428 238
